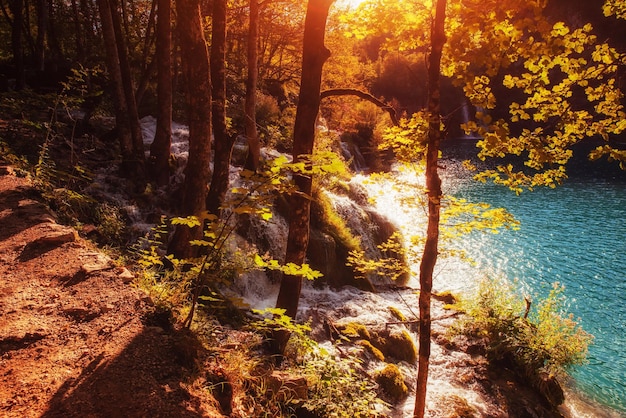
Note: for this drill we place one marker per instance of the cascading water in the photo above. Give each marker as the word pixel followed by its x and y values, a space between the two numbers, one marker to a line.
pixel 452 372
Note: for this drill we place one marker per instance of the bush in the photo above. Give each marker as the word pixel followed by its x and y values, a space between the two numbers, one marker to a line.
pixel 339 389
pixel 542 341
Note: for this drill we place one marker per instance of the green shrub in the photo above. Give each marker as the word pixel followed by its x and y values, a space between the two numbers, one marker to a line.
pixel 339 389
pixel 545 341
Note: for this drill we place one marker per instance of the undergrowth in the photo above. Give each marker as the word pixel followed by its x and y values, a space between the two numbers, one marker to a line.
pixel 537 339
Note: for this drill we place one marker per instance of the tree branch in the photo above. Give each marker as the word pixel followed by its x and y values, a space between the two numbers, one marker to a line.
pixel 365 96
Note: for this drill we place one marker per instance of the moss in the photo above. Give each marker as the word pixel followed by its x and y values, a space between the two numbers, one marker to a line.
pixel 332 223
pixel 397 314
pixel 460 408
pixel 355 330
pixel 391 383
pixel 371 349
pixel 397 344
pixel 446 297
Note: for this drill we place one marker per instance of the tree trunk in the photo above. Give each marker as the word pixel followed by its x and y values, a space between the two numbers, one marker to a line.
pixel 254 145
pixel 195 62
pixel 223 143
pixel 433 186
pixel 314 56
pixel 42 29
pixel 17 10
pixel 122 122
pixel 138 156
pixel 78 27
pixel 160 148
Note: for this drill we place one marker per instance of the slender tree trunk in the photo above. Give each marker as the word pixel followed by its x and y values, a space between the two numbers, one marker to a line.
pixel 42 29
pixel 55 53
pixel 17 10
pixel 433 186
pixel 148 67
pixel 90 35
pixel 223 143
pixel 254 145
pixel 122 122
pixel 78 27
pixel 195 62
pixel 138 156
pixel 314 56
pixel 160 148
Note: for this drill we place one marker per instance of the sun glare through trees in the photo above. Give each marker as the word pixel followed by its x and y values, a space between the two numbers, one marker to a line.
pixel 352 4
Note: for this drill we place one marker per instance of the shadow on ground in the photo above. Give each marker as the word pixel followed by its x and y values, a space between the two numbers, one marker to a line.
pixel 142 381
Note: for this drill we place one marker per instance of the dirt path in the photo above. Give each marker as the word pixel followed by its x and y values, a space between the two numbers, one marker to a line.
pixel 72 339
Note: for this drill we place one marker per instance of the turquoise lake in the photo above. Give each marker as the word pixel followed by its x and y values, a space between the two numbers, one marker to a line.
pixel 575 235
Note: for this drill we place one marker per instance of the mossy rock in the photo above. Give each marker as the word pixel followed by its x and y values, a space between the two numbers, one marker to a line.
pixel 397 314
pixel 391 382
pixel 446 297
pixel 397 344
pixel 371 349
pixel 354 330
pixel 460 408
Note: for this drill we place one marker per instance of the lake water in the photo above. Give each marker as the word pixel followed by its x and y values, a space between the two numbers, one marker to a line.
pixel 574 235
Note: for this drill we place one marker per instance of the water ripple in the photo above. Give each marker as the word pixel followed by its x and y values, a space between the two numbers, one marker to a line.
pixel 575 235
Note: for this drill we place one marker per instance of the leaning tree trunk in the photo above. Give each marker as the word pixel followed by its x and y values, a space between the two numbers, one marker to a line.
pixel 160 148
pixel 254 145
pixel 195 62
pixel 433 187
pixel 314 56
pixel 223 143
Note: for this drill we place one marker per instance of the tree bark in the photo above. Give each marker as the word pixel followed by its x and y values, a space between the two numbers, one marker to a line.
pixel 78 27
pixel 160 147
pixel 17 10
pixel 223 143
pixel 195 62
pixel 254 145
pixel 433 186
pixel 122 122
pixel 314 56
pixel 42 29
pixel 137 155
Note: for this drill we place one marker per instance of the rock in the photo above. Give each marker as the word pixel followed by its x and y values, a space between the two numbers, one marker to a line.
pixel 126 275
pixel 52 237
pixel 80 313
pixel 99 262
pixel 287 387
pixel 550 388
pixel 445 297
pixel 396 343
pixel 391 382
pixel 56 235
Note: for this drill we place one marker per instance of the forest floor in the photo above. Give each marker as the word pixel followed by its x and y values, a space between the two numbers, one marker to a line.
pixel 76 339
